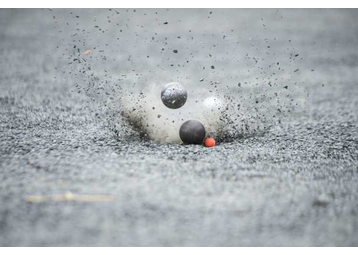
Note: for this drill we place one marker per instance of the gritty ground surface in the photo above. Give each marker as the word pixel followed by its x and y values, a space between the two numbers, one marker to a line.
pixel 295 185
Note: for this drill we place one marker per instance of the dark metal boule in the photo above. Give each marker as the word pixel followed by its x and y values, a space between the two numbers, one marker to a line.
pixel 192 132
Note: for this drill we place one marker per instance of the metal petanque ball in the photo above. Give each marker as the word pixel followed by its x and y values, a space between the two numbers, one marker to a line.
pixel 174 95
pixel 192 132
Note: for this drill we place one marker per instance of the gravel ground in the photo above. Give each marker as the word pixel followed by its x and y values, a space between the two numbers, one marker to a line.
pixel 294 185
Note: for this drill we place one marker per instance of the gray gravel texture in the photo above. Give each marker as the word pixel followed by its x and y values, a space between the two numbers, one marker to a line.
pixel 294 185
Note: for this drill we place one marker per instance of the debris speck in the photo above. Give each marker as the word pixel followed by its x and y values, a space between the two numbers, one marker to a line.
pixel 322 200
pixel 86 52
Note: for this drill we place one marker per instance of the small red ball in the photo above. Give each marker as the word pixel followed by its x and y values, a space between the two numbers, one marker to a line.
pixel 210 142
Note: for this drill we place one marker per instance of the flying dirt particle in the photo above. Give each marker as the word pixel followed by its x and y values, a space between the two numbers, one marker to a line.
pixel 212 67
pixel 285 87
pixel 322 200
pixel 86 52
pixel 175 51
pixel 301 100
pixel 296 70
pixel 159 116
pixel 165 23
pixel 239 84
pixel 297 55
pixel 202 79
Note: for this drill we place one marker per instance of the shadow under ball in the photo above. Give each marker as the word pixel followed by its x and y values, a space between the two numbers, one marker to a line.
pixel 192 132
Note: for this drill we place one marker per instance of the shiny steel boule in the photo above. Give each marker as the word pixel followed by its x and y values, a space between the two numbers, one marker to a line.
pixel 174 95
